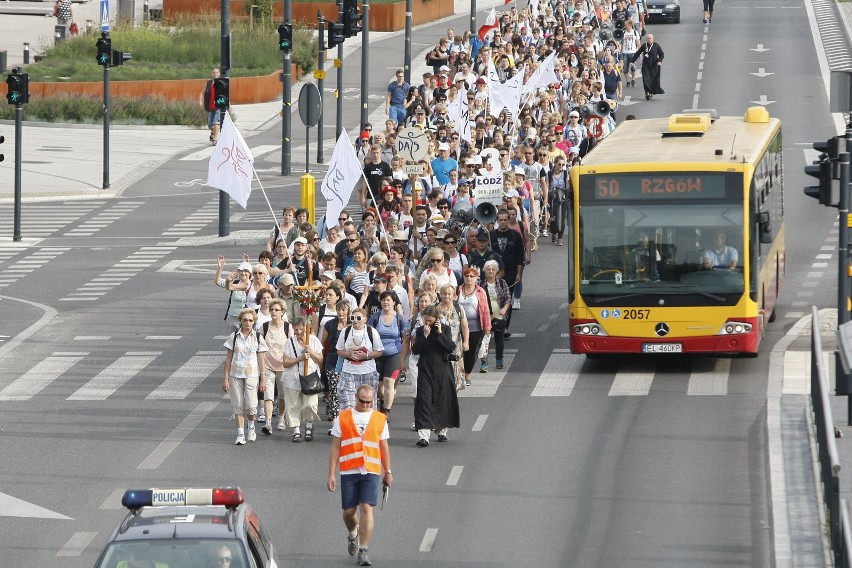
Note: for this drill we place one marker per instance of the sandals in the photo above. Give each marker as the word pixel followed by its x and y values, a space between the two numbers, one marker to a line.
pixel 297 437
pixel 309 434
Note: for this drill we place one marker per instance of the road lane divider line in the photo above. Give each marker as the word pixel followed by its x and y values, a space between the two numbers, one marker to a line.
pixel 480 423
pixel 176 436
pixel 428 540
pixel 77 543
pixel 455 474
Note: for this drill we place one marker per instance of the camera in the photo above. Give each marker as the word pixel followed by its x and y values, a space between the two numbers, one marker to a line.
pixel 451 357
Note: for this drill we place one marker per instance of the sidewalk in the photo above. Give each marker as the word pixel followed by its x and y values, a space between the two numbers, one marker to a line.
pixel 53 167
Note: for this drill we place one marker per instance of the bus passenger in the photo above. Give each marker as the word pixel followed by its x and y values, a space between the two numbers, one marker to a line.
pixel 720 256
pixel 641 254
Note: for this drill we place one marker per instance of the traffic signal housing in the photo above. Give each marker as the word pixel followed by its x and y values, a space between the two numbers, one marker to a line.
pixel 104 45
pixel 822 170
pixel 119 57
pixel 285 37
pixel 2 139
pixel 336 34
pixel 351 18
pixel 221 94
pixel 18 87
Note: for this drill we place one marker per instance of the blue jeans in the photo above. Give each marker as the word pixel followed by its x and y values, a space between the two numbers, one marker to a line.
pixel 397 114
pixel 214 117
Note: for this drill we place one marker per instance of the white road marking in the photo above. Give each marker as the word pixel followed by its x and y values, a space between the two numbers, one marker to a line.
pixel 480 423
pixel 77 543
pixel 709 377
pixel 173 440
pixel 455 474
pixel 633 382
pixel 39 376
pixel 190 375
pixel 428 540
pixel 105 383
pixel 560 375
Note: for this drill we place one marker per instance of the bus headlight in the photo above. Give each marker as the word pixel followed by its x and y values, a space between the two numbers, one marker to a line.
pixel 735 328
pixel 588 329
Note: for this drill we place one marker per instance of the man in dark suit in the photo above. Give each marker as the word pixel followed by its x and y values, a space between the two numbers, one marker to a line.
pixel 652 61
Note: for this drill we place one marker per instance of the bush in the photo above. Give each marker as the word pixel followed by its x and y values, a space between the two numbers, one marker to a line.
pixel 89 110
pixel 305 49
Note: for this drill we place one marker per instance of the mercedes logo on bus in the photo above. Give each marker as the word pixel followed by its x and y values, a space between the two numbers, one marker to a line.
pixel 661 329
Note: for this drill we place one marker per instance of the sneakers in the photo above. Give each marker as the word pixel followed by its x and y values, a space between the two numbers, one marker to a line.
pixel 281 425
pixel 352 543
pixel 252 435
pixel 499 363
pixel 467 382
pixel 516 304
pixel 266 430
pixel 544 233
pixel 275 411
pixel 309 434
pixel 241 440
pixel 363 560
pixel 413 427
pixel 422 443
pixel 559 242
pixel 483 367
pixel 261 417
pixel 706 21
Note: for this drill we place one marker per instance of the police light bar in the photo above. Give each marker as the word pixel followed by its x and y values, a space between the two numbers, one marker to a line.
pixel 138 498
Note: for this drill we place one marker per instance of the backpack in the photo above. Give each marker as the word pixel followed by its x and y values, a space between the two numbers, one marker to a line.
pixel 256 335
pixel 561 195
pixel 286 328
pixel 370 331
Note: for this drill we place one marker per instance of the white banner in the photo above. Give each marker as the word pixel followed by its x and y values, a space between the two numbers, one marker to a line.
pixel 459 112
pixel 231 164
pixel 489 188
pixel 543 75
pixel 344 172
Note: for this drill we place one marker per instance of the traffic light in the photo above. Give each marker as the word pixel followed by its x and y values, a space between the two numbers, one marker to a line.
pixel 220 90
pixel 118 57
pixel 2 139
pixel 351 18
pixel 104 49
pixel 285 37
pixel 821 169
pixel 18 87
pixel 336 34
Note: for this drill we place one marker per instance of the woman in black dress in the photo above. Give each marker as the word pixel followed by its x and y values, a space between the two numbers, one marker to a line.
pixel 436 406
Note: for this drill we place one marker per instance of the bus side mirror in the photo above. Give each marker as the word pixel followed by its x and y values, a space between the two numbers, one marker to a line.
pixel 764 228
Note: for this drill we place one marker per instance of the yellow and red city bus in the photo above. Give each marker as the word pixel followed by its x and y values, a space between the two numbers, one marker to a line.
pixel 649 271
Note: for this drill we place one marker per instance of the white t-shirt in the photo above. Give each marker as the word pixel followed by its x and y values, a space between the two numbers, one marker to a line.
pixel 361 420
pixel 359 340
pixel 290 377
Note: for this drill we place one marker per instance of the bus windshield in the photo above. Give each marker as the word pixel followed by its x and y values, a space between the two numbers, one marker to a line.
pixel 654 254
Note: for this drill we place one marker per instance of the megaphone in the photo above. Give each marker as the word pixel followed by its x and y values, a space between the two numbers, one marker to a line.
pixel 618 34
pixel 486 213
pixel 586 111
pixel 463 211
pixel 620 24
pixel 602 108
pixel 605 34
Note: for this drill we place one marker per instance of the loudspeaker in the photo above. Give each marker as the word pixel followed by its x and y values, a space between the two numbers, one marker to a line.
pixel 605 34
pixel 486 213
pixel 602 108
pixel 619 24
pixel 586 111
pixel 463 211
pixel 618 34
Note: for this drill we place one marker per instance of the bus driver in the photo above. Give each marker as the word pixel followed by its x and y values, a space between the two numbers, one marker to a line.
pixel 720 256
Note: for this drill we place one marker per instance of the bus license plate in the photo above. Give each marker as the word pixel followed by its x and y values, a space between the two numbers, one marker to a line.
pixel 655 10
pixel 662 347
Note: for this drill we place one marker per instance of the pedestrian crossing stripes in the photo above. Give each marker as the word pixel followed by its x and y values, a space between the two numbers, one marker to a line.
pixel 193 223
pixel 709 377
pixel 123 271
pixel 40 220
pixel 103 219
pixel 559 375
pixel 40 376
pixel 190 375
pixel 32 262
pixel 633 381
pixel 114 377
pixel 485 385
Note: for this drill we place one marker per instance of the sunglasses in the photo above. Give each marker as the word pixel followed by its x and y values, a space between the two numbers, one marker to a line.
pixel 356 319
pixel 275 310
pixel 351 240
pixel 257 272
pixel 362 401
pixel 449 242
pixel 247 320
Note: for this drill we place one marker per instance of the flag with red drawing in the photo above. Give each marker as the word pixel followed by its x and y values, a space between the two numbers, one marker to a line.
pixel 490 24
pixel 231 165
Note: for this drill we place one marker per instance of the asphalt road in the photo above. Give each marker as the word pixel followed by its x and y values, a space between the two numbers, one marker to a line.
pixel 552 465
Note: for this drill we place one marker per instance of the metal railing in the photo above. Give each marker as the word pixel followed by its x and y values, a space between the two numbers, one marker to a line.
pixel 829 464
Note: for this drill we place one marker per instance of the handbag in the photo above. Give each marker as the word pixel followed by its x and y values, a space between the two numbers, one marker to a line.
pixel 498 325
pixel 311 383
pixel 74 29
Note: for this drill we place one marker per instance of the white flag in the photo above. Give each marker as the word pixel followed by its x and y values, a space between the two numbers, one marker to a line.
pixel 506 95
pixel 544 75
pixel 344 171
pixel 491 18
pixel 231 164
pixel 534 9
pixel 459 112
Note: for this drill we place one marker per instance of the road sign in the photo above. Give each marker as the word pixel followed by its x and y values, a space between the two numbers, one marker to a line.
pixel 412 144
pixel 319 75
pixel 414 169
pixel 104 15
pixel 310 105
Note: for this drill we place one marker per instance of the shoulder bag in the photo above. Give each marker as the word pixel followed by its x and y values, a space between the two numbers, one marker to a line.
pixel 312 383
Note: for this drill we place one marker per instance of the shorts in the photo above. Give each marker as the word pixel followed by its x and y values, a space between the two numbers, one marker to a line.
pixel 387 365
pixel 356 488
pixel 271 378
pixel 214 117
pixel 243 395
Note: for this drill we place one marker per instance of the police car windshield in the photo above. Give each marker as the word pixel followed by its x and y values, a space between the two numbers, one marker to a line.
pixel 180 553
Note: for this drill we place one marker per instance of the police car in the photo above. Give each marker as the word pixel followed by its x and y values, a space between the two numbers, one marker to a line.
pixel 188 528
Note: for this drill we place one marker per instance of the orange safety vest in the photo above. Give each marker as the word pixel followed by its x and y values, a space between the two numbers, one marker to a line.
pixel 356 451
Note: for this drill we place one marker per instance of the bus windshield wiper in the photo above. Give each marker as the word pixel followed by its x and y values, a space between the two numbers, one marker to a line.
pixel 719 299
pixel 613 298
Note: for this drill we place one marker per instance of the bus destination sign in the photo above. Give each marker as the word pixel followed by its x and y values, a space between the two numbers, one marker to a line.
pixel 657 185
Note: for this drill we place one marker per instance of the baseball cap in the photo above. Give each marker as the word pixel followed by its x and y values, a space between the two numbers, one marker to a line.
pixel 480 81
pixel 330 274
pixel 380 278
pixel 482 236
pixel 285 279
pixel 400 236
pixel 244 266
pixel 574 113
pixel 458 77
pixel 437 219
pixel 443 146
pixel 302 240
pixel 463 181
pixel 520 171
pixel 559 128
pixel 444 68
pixel 365 135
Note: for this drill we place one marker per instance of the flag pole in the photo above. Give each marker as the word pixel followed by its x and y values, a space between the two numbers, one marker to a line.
pixel 373 197
pixel 274 218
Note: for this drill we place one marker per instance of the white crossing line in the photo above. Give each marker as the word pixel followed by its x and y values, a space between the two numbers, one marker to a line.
pixel 77 543
pixel 634 382
pixel 709 377
pixel 40 376
pixel 176 436
pixel 485 384
pixel 480 423
pixel 560 375
pixel 113 377
pixel 190 375
pixel 113 501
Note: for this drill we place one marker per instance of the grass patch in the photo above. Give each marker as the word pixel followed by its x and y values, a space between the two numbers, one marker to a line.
pixel 89 110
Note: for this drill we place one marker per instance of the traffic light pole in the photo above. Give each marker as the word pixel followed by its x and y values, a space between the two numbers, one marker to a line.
pixel 472 16
pixel 106 122
pixel 365 61
pixel 286 115
pixel 19 119
pixel 225 70
pixel 338 126
pixel 843 252
pixel 320 81
pixel 406 68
